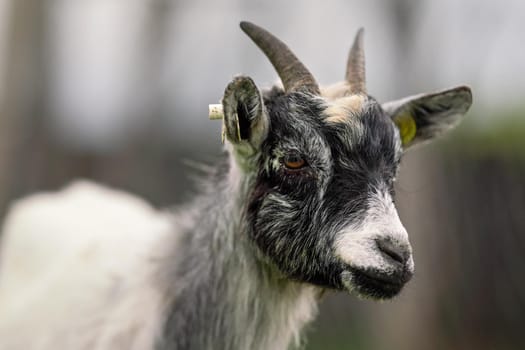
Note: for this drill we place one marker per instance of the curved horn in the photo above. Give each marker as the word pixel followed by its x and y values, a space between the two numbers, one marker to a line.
pixel 292 72
pixel 355 67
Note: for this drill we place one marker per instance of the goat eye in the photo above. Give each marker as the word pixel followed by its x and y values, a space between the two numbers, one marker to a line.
pixel 294 161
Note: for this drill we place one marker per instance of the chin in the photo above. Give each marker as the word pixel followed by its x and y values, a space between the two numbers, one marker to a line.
pixel 374 284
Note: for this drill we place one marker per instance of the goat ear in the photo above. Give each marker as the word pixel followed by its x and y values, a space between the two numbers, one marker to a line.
pixel 245 118
pixel 422 117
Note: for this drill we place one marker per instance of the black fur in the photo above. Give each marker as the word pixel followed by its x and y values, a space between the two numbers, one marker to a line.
pixel 330 193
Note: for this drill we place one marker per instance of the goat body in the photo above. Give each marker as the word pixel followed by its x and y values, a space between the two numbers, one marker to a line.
pixel 111 283
pixel 75 269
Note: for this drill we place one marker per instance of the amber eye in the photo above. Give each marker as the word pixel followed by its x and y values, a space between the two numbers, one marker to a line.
pixel 294 161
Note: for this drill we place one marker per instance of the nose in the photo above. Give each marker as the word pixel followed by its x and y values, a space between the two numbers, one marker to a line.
pixel 399 253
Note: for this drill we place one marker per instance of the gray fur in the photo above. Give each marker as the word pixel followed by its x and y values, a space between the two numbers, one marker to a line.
pixel 226 296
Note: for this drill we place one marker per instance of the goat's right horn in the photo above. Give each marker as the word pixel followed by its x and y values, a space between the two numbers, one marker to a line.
pixel 355 67
pixel 293 73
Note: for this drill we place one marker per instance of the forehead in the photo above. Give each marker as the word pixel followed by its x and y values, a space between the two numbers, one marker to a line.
pixel 352 124
pixel 369 133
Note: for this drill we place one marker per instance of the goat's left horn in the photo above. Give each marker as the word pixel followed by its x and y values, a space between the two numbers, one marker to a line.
pixel 355 67
pixel 293 73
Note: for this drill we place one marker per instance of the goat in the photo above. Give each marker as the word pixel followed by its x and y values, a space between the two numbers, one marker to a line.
pixel 302 204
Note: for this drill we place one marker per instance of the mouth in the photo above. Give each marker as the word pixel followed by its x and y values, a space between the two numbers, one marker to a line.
pixel 375 284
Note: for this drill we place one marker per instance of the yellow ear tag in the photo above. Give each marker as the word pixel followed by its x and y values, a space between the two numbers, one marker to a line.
pixel 407 127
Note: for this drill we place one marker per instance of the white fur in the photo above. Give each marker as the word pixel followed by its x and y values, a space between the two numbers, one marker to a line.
pixel 65 280
pixel 356 244
pixel 335 91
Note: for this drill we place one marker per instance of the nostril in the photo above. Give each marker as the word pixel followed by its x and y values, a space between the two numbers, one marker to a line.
pixel 395 252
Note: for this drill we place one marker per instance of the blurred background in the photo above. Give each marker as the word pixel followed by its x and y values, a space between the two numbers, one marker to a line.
pixel 118 90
